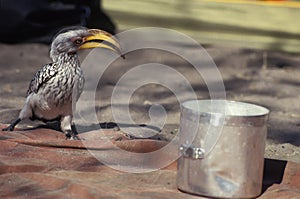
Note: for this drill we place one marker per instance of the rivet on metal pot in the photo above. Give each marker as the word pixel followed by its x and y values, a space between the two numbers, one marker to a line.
pixel 191 152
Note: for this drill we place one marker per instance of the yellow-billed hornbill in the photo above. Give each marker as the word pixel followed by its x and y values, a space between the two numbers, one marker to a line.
pixel 56 87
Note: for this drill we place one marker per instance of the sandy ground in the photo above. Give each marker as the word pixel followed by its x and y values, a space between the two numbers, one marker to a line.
pixel 270 79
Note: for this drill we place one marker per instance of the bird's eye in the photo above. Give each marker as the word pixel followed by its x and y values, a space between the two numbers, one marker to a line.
pixel 78 41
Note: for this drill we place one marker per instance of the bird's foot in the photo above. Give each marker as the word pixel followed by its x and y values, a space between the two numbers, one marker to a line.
pixel 9 128
pixel 12 126
pixel 70 135
pixel 74 137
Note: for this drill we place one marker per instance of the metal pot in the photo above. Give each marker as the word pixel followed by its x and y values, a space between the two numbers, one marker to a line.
pixel 222 146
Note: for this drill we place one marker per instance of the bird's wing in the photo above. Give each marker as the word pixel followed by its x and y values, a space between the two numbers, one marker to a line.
pixel 42 76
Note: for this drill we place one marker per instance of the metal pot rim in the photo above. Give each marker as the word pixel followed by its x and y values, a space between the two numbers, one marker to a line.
pixel 227 108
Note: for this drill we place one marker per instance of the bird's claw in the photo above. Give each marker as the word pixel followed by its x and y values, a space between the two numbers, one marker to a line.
pixel 75 137
pixel 72 136
pixel 9 128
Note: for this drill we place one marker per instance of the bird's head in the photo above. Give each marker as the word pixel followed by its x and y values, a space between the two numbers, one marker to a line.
pixel 69 40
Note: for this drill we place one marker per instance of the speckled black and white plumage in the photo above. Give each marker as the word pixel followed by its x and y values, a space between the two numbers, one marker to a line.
pixel 53 89
pixel 56 81
pixel 56 87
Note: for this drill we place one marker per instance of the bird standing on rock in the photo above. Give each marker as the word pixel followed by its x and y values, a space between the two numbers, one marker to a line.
pixel 56 87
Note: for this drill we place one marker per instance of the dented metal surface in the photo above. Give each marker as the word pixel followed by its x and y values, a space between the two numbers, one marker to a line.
pixel 232 145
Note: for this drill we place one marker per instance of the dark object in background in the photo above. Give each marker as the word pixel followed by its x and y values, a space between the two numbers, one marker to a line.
pixel 39 20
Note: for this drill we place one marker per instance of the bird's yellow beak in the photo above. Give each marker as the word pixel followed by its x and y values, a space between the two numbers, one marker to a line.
pixel 101 39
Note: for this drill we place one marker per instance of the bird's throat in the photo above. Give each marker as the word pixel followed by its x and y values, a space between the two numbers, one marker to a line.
pixel 68 59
